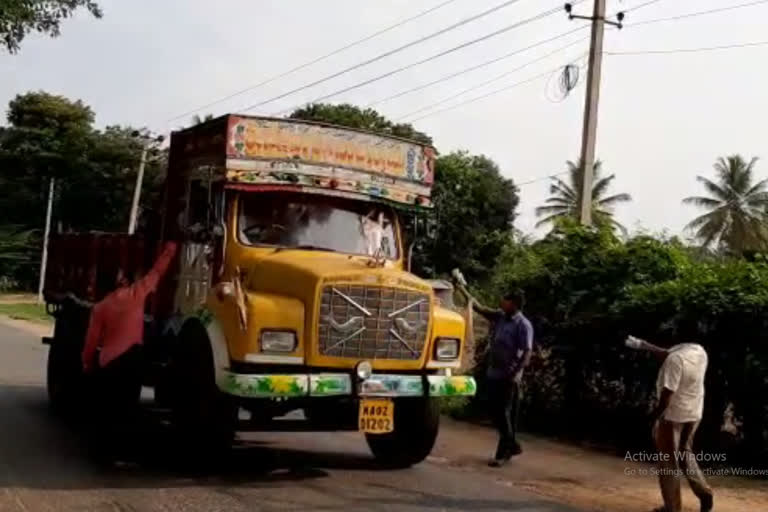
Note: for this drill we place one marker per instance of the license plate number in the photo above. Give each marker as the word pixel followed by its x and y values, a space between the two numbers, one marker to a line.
pixel 377 416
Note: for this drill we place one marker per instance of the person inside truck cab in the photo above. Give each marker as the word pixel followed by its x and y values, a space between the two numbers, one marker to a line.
pixel 112 351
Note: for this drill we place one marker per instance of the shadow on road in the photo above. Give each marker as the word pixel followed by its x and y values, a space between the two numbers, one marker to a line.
pixel 42 451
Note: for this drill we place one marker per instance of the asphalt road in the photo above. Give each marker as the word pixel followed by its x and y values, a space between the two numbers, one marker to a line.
pixel 45 465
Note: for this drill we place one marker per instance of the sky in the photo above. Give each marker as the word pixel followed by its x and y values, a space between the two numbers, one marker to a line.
pixel 663 118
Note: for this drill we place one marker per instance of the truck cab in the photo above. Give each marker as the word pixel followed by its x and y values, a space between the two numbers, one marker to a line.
pixel 292 288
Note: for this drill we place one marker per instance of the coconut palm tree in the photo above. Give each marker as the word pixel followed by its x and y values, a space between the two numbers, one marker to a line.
pixel 737 207
pixel 565 199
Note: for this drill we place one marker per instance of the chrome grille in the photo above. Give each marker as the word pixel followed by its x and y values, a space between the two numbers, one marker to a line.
pixel 371 322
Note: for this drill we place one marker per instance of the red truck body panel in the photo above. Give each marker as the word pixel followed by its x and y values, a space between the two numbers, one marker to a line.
pixel 86 264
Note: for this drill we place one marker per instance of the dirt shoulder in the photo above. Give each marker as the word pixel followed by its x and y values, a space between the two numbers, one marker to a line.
pixel 17 298
pixel 584 478
pixel 34 328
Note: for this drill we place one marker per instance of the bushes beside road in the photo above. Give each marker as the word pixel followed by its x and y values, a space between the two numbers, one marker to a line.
pixel 587 290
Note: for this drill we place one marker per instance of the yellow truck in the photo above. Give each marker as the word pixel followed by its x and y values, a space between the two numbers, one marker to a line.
pixel 291 290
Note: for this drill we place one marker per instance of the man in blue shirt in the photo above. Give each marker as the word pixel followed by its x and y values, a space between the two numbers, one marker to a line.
pixel 509 351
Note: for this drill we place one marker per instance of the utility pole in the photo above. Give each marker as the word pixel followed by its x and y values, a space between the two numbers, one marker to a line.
pixel 589 131
pixel 137 190
pixel 146 143
pixel 46 236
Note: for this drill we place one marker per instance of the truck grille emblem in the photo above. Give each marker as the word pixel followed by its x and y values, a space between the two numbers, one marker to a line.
pixel 354 323
pixel 402 325
pixel 393 324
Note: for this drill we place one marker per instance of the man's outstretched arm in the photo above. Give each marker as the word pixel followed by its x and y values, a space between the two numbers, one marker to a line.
pixel 485 311
pixel 149 282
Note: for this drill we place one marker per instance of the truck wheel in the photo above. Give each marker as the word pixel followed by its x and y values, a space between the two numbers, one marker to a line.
pixel 163 395
pixel 417 422
pixel 204 416
pixel 64 377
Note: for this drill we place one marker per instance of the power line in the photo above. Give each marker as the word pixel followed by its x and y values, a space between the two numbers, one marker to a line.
pixel 316 60
pixel 698 13
pixel 385 54
pixel 690 50
pixel 541 178
pixel 472 100
pixel 475 67
pixel 419 62
pixel 640 6
pixel 489 81
pixel 494 92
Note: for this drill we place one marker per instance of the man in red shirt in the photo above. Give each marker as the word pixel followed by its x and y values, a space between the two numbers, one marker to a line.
pixel 113 343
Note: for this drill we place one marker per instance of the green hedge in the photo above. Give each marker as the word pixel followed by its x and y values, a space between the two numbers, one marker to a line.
pixel 587 290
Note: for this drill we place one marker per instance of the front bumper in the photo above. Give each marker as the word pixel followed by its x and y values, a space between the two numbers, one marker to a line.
pixel 342 384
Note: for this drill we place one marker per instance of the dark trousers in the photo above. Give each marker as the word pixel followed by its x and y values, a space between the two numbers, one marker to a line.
pixel 117 391
pixel 504 399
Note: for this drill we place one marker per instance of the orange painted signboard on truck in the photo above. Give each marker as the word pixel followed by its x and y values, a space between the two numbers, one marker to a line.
pixel 274 139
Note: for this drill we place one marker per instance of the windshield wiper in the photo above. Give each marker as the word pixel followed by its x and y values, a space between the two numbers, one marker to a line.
pixel 304 248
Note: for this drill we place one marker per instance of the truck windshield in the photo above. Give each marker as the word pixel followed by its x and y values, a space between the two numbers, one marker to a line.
pixel 317 222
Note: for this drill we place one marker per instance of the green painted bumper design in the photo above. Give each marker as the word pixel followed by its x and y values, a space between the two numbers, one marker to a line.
pixel 392 385
pixel 340 384
pixel 330 384
pixel 440 385
pixel 412 385
pixel 264 386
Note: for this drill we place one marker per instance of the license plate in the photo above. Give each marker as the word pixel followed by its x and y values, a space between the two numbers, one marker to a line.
pixel 377 416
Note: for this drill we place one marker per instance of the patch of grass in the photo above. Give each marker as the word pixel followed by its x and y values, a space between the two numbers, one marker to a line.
pixel 24 311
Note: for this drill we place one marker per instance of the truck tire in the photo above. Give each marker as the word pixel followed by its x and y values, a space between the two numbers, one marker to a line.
pixel 64 378
pixel 204 417
pixel 417 421
pixel 163 395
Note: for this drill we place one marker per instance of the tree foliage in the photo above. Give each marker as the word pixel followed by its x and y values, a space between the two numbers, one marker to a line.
pixel 17 246
pixel 356 117
pixel 48 137
pixel 737 208
pixel 20 17
pixel 52 136
pixel 587 290
pixel 474 208
pixel 565 199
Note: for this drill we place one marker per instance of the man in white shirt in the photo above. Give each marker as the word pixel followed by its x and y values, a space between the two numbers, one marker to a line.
pixel 680 389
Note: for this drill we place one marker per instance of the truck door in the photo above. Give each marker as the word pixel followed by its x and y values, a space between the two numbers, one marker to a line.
pixel 196 259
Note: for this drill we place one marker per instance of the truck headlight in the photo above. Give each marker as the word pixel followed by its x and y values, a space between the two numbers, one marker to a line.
pixel 278 341
pixel 446 349
pixel 364 370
